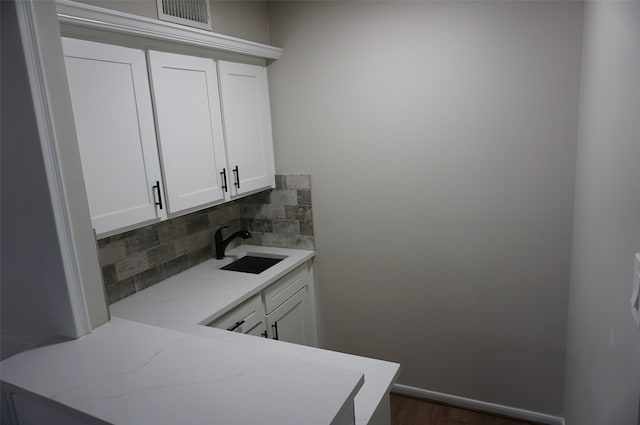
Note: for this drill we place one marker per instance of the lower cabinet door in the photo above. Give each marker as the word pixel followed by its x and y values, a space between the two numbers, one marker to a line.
pixel 291 321
pixel 258 330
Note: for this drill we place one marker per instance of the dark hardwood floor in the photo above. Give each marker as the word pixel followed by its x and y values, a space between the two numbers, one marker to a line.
pixel 412 411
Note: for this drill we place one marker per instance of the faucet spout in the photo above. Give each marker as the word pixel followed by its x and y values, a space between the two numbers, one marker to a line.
pixel 221 244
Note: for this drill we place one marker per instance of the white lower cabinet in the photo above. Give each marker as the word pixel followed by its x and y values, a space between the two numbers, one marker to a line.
pixel 247 318
pixel 291 321
pixel 258 330
pixel 283 311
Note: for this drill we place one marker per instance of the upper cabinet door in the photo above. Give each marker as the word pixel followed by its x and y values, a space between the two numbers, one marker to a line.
pixel 190 137
pixel 247 125
pixel 116 134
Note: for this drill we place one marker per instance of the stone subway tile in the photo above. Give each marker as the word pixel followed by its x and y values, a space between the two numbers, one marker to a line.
pixel 235 243
pixel 141 240
pixel 220 215
pixel 234 226
pixel 110 239
pixel 273 211
pixel 306 228
pixel 300 242
pixel 258 198
pixel 280 181
pixel 197 222
pixel 120 290
pixel 291 227
pixel 109 254
pixel 274 239
pixel 132 265
pixel 200 256
pixel 161 254
pixel 192 243
pixel 263 211
pixel 173 229
pixel 109 275
pixel 175 266
pixel 304 197
pixel 249 210
pixel 298 213
pixel 259 225
pixel 288 241
pixel 302 181
pixel 148 277
pixel 256 239
pixel 233 210
pixel 284 197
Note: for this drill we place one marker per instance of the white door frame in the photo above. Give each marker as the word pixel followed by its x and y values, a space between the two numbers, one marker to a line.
pixel 77 315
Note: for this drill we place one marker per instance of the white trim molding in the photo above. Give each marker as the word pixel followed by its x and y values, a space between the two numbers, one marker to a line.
pixel 79 324
pixel 85 16
pixel 472 404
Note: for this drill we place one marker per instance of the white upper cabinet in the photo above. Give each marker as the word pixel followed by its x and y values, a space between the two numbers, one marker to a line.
pixel 116 134
pixel 247 125
pixel 210 141
pixel 190 137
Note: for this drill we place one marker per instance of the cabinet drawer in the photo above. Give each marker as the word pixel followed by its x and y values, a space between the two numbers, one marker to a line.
pixel 284 288
pixel 243 318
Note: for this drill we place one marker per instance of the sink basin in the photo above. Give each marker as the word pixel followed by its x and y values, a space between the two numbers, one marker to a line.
pixel 252 264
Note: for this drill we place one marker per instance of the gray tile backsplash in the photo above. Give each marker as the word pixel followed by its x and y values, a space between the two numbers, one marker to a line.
pixel 134 260
pixel 281 217
pixel 137 259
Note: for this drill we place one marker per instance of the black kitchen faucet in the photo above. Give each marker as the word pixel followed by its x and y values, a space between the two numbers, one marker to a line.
pixel 221 244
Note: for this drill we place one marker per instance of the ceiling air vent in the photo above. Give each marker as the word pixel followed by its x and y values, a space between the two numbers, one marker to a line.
pixel 194 13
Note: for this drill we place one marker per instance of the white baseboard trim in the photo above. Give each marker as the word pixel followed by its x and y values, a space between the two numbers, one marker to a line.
pixel 469 403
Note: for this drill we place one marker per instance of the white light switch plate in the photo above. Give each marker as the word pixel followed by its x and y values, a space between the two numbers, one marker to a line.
pixel 635 295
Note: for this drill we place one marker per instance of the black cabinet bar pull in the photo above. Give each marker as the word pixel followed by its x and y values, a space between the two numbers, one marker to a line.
pixel 237 174
pixel 275 330
pixel 236 326
pixel 223 173
pixel 157 188
pixel 264 334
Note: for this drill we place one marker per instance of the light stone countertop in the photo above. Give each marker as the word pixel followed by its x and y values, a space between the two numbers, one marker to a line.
pixel 203 293
pixel 127 373
pixel 124 368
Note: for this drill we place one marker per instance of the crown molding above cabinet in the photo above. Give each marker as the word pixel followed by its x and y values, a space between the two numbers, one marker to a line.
pixel 78 19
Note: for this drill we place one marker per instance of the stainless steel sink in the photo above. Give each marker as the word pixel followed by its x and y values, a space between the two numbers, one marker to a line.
pixel 252 264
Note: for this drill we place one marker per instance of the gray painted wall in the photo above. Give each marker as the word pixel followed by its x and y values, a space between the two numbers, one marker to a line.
pixel 603 351
pixel 441 140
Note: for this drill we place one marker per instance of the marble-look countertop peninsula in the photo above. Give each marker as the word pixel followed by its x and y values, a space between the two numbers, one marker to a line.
pixel 127 373
pixel 156 362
